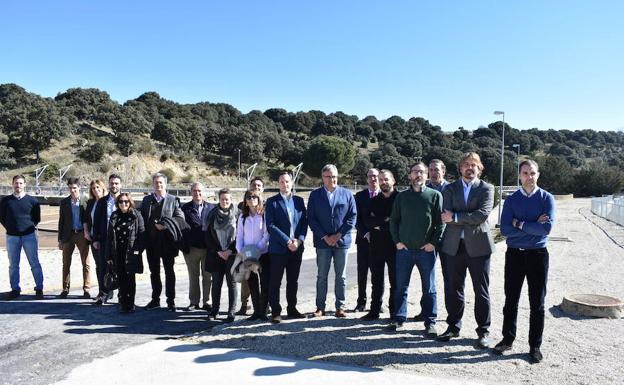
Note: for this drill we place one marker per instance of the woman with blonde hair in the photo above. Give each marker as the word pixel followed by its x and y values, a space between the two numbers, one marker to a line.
pixel 97 190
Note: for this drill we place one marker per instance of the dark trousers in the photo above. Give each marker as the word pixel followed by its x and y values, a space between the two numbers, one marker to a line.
pixel 377 262
pixel 532 264
pixel 290 262
pixel 127 284
pixel 154 255
pixel 363 255
pixel 100 266
pixel 217 283
pixel 259 286
pixel 479 268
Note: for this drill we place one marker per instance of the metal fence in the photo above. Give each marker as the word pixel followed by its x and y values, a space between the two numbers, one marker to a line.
pixel 609 207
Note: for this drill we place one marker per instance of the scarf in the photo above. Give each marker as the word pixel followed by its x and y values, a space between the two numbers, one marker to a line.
pixel 224 224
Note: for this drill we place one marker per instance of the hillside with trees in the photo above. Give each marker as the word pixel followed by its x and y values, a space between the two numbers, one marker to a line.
pixel 584 162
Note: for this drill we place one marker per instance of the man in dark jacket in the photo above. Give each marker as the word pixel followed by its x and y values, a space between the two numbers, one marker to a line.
pixel 383 250
pixel 71 235
pixel 196 213
pixel 105 207
pixel 362 237
pixel 154 208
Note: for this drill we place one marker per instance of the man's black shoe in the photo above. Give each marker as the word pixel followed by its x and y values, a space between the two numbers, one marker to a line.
pixel 502 347
pixel 535 356
pixel 192 307
pixel 447 335
pixel 276 319
pixel 12 294
pixel 230 318
pixel 171 306
pixel 153 304
pixel 63 294
pixel 295 314
pixel 359 308
pixel 370 316
pixel 207 307
pixel 419 317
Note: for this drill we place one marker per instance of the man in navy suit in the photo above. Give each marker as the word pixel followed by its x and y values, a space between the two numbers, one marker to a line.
pixel 331 215
pixel 287 223
pixel 362 237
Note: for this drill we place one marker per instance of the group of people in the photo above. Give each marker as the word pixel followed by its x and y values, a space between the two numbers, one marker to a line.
pixel 258 240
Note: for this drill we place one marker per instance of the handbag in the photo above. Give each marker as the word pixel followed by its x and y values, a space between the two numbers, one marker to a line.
pixel 111 279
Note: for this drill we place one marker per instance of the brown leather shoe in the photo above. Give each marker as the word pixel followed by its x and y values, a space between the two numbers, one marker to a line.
pixel 318 313
pixel 340 313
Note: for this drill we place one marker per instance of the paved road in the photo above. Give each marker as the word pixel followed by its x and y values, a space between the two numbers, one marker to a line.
pixel 42 341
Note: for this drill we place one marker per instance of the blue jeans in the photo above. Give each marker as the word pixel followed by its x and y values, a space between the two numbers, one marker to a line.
pixel 14 249
pixel 425 262
pixel 323 262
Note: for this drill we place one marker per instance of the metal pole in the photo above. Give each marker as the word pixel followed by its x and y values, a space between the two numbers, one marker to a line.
pixel 500 203
pixel 518 179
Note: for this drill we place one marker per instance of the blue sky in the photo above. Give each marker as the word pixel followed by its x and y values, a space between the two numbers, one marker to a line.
pixel 547 64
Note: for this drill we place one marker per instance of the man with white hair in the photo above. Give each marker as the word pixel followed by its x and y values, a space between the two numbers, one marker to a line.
pixel 196 214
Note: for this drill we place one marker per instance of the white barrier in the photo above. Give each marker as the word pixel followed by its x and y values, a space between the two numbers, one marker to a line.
pixel 609 208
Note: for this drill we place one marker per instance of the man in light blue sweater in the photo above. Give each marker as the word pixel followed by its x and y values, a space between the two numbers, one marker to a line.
pixel 527 219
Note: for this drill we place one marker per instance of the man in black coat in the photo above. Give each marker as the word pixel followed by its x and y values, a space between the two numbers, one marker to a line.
pixel 383 249
pixel 362 238
pixel 105 207
pixel 154 208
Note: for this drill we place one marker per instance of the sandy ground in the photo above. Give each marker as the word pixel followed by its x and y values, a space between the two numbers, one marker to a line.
pixel 577 350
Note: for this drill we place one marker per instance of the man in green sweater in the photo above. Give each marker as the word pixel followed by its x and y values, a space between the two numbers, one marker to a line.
pixel 416 228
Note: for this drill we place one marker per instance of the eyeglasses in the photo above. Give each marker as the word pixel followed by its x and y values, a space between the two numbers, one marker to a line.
pixel 251 197
pixel 124 202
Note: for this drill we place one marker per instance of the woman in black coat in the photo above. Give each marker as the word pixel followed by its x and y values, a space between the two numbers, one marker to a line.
pixel 221 251
pixel 125 243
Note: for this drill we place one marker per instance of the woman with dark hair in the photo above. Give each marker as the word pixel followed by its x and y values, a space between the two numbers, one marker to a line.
pixel 125 243
pixel 221 248
pixel 252 241
pixel 97 189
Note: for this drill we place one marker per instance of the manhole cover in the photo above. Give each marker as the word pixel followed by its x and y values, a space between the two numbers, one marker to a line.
pixel 592 305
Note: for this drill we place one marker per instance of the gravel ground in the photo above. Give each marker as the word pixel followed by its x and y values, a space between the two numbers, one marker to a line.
pixel 577 350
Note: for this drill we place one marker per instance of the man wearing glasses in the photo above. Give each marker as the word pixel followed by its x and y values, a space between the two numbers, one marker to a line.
pixel 331 216
pixel 362 237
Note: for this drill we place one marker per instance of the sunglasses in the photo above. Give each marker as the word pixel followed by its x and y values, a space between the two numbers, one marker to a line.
pixel 124 202
pixel 251 197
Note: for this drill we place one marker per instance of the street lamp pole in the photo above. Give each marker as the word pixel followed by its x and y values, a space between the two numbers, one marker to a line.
pixel 517 146
pixel 500 203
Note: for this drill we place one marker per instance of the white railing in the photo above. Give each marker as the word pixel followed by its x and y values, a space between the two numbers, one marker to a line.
pixel 609 207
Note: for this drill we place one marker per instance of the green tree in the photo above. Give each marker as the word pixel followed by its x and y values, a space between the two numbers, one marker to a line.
pixel 328 149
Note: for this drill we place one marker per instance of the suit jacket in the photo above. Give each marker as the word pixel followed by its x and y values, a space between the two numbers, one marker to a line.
pixel 325 221
pixel 100 221
pixel 171 208
pixel 65 223
pixel 471 217
pixel 362 203
pixel 278 223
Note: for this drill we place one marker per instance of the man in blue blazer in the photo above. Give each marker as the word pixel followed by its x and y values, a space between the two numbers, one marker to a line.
pixel 287 223
pixel 332 216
